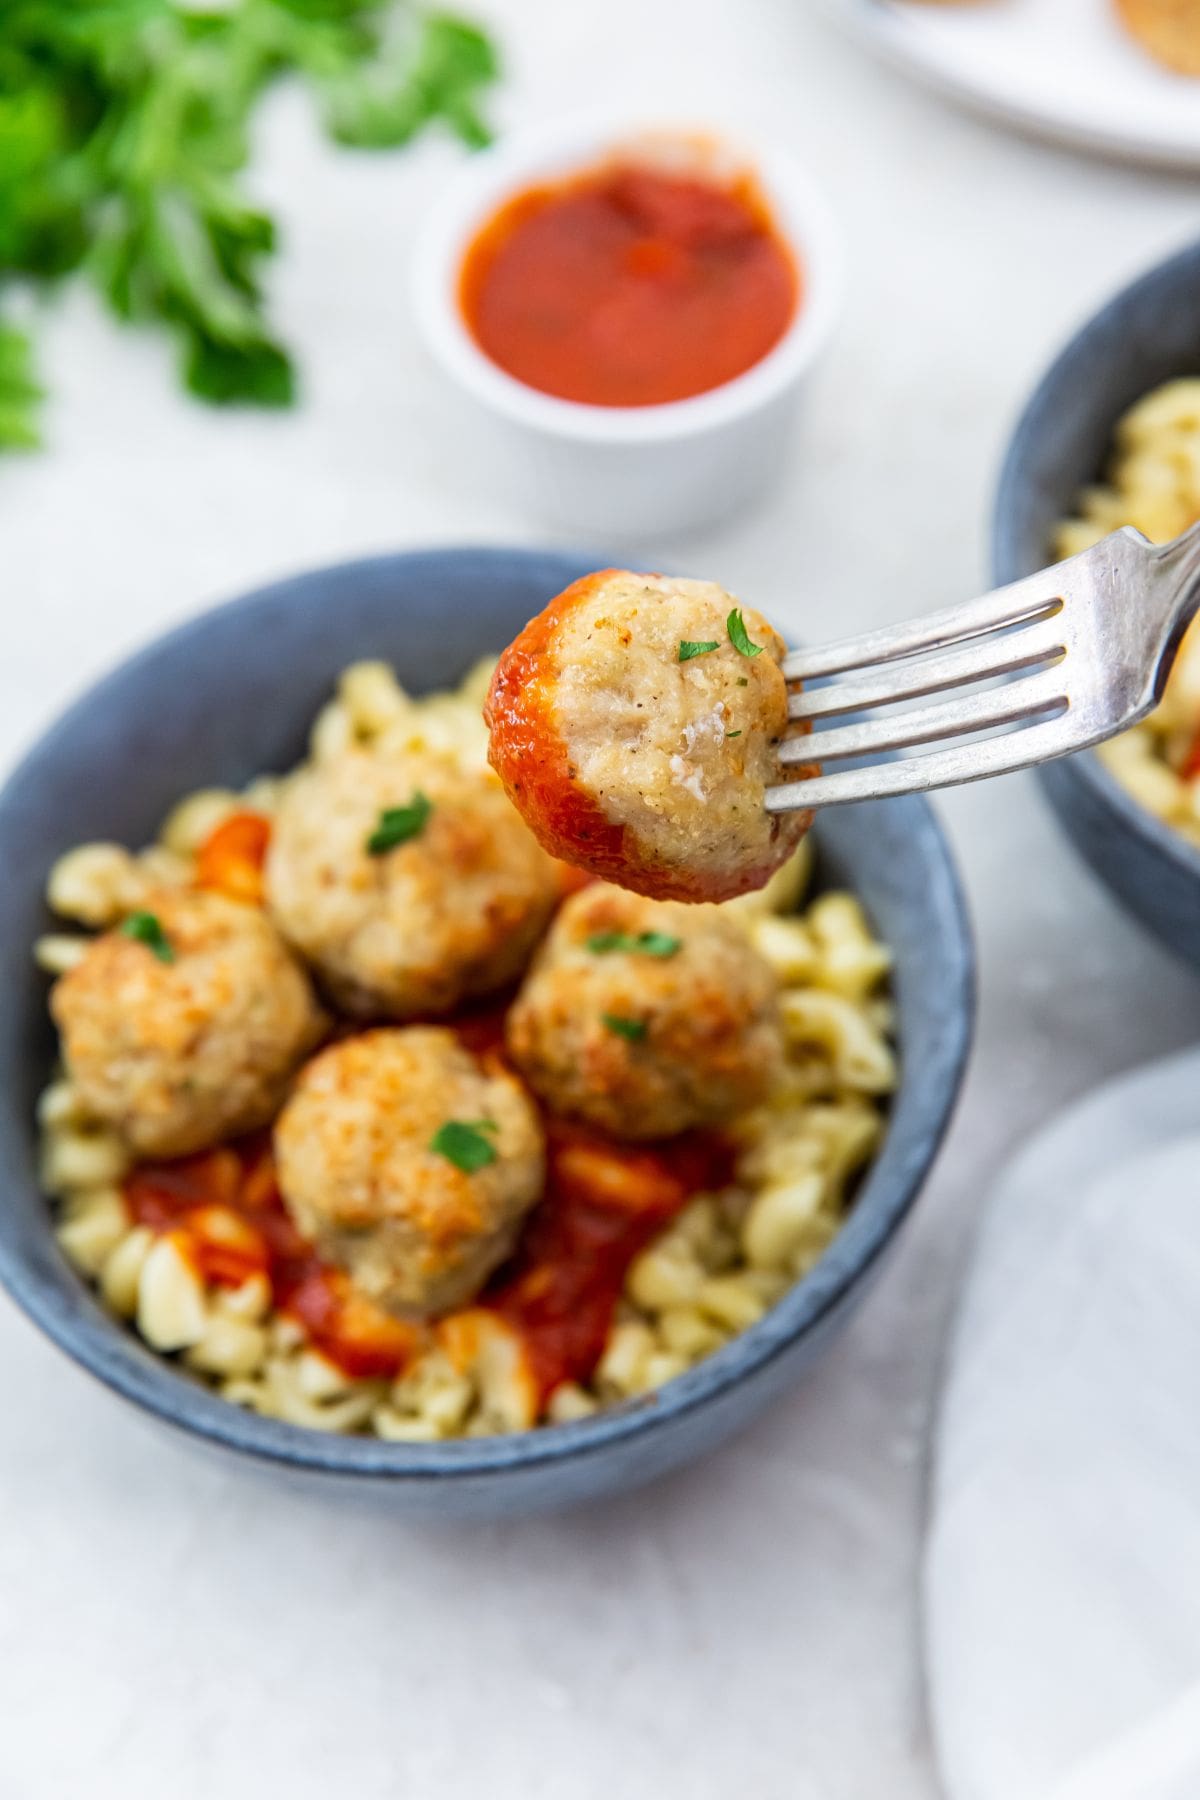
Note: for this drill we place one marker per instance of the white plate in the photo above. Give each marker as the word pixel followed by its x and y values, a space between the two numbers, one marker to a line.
pixel 1063 68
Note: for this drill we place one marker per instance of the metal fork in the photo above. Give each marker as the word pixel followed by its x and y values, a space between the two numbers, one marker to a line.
pixel 1090 642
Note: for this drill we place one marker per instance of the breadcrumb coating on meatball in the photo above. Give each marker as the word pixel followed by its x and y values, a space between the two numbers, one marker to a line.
pixel 638 740
pixel 184 1044
pixel 360 1173
pixel 646 1018
pixel 448 912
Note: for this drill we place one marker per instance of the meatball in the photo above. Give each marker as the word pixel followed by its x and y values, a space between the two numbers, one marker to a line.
pixel 408 883
pixel 638 740
pixel 185 1025
pixel 646 1017
pixel 410 1164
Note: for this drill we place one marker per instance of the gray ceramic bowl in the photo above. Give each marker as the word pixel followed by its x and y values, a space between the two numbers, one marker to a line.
pixel 1148 334
pixel 233 694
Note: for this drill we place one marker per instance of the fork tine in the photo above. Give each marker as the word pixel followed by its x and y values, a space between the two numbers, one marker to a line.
pixel 943 768
pixel 1021 602
pixel 924 725
pixel 1033 643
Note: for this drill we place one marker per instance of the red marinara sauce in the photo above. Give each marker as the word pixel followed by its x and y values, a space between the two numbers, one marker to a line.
pixel 604 1203
pixel 630 285
pixel 225 1213
pixel 527 748
pixel 231 859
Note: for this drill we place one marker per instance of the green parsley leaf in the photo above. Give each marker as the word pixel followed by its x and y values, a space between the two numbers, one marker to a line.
pixel 687 649
pixel 257 374
pixel 730 734
pixel 632 1029
pixel 397 824
pixel 463 1144
pixel 634 943
pixel 743 681
pixel 146 928
pixel 443 76
pixel 19 390
pixel 125 130
pixel 738 636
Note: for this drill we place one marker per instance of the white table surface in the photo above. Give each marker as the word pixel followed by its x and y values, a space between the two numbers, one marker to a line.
pixel 172 1625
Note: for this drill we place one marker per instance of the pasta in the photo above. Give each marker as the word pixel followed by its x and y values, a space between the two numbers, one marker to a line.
pixel 1154 484
pixel 716 1267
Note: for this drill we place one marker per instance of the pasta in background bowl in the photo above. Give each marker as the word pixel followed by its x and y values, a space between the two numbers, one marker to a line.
pixel 1153 483
pixel 232 695
pixel 1107 438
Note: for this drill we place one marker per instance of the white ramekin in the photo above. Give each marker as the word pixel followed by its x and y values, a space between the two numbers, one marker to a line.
pixel 636 471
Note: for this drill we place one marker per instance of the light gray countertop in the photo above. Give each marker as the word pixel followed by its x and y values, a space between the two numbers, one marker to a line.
pixel 174 1625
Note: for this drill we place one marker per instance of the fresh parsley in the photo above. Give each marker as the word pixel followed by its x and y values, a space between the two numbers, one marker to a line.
pixel 634 943
pixel 730 734
pixel 397 824
pixel 19 390
pixel 146 928
pixel 125 126
pixel 688 649
pixel 738 635
pixel 634 1030
pixel 462 1143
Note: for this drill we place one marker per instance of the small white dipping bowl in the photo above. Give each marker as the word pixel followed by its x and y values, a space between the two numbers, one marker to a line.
pixel 628 471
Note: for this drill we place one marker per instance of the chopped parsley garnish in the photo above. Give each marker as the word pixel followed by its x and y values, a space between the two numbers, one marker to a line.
pixel 462 1143
pixel 397 824
pixel 688 649
pixel 738 635
pixel 743 681
pixel 145 928
pixel 632 1029
pixel 634 943
pixel 730 734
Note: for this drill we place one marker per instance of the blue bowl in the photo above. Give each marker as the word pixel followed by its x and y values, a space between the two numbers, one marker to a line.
pixel 1148 334
pixel 233 694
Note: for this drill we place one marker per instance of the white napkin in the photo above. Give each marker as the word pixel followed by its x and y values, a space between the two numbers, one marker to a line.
pixel 1062 1581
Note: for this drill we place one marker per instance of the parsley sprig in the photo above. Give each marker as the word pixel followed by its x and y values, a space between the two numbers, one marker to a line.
pixel 634 943
pixel 19 390
pixel 461 1142
pixel 739 637
pixel 397 824
pixel 146 928
pixel 633 1030
pixel 125 126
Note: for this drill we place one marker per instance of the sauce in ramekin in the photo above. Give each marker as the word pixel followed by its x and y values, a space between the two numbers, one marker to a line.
pixel 630 285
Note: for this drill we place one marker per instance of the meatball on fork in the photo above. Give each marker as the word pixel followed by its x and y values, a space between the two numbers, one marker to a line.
pixel 636 724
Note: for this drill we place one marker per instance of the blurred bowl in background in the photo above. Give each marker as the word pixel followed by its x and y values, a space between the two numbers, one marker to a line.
pixel 1147 334
pixel 628 471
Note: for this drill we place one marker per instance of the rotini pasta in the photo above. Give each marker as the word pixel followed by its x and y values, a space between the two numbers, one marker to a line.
pixel 1154 484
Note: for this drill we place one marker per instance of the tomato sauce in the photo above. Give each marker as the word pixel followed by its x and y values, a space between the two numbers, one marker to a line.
pixel 630 285
pixel 528 750
pixel 226 1214
pixel 604 1203
pixel 230 861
